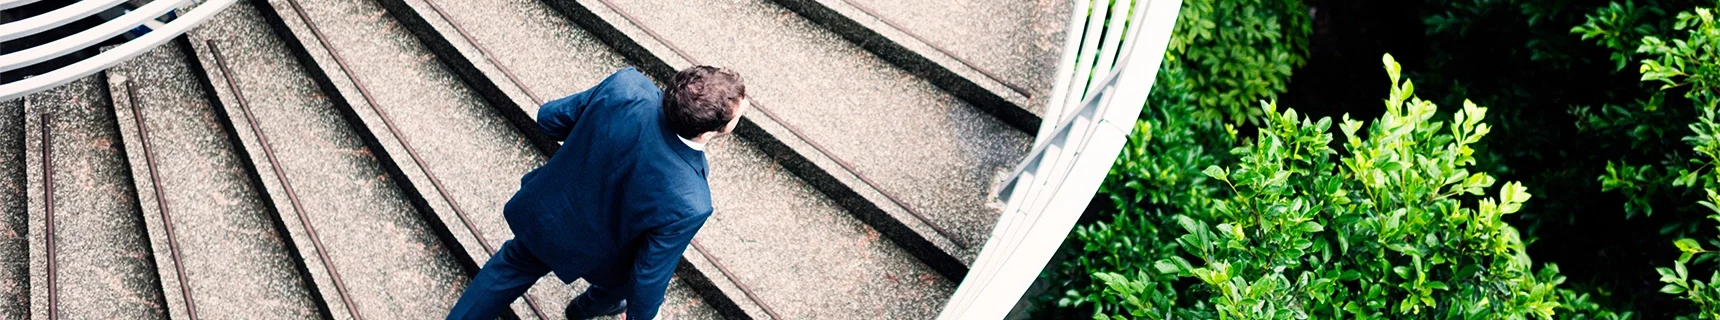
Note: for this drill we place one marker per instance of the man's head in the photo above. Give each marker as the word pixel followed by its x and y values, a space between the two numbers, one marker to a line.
pixel 704 102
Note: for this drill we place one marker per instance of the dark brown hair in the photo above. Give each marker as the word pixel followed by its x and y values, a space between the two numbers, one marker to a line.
pixel 702 99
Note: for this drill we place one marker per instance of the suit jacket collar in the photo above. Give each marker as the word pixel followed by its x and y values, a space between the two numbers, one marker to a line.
pixel 694 158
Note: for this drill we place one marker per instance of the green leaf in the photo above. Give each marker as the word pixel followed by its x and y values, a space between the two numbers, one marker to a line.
pixel 1165 266
pixel 1216 173
pixel 1436 285
pixel 1349 275
pixel 1688 245
pixel 1672 289
pixel 1310 226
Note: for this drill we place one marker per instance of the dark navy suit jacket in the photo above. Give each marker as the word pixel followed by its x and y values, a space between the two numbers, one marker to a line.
pixel 622 198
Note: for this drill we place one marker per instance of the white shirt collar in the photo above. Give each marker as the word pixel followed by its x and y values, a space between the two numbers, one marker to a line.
pixel 692 144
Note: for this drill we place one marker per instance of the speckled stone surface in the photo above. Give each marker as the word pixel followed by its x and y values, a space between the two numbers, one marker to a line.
pixel 235 260
pixel 475 155
pixel 679 302
pixel 1018 40
pixel 393 266
pixel 14 245
pixel 105 267
pixel 938 154
pixel 747 233
pixel 802 255
pixel 552 57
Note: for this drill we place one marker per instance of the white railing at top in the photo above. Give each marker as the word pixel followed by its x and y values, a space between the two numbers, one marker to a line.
pixel 1101 86
pixel 58 17
pixel 8 4
pixel 142 16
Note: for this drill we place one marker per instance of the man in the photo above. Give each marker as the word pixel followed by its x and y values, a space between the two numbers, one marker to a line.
pixel 622 198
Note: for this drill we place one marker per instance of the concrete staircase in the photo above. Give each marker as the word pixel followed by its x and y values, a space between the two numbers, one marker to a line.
pixel 350 159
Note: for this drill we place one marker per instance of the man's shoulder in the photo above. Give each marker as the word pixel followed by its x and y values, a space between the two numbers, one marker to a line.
pixel 629 83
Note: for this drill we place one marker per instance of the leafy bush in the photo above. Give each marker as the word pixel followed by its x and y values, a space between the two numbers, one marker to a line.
pixel 1159 167
pixel 1298 230
pixel 1227 55
pixel 1601 152
pixel 1651 123
pixel 1692 66
pixel 1223 56
pixel 1684 179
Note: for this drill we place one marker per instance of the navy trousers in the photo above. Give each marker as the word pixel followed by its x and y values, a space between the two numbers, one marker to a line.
pixel 507 275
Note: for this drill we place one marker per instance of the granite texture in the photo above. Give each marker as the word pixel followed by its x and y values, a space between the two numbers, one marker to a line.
pixel 14 220
pixel 392 264
pixel 1019 41
pixel 236 264
pixel 476 157
pixel 759 194
pixel 938 154
pixel 551 57
pixel 104 263
pixel 978 87
pixel 800 253
pixel 679 302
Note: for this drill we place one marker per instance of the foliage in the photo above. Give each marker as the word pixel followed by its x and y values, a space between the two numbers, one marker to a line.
pixel 1159 166
pixel 1692 66
pixel 1296 229
pixel 1601 152
pixel 1651 123
pixel 1227 55
pixel 1618 168
pixel 1222 57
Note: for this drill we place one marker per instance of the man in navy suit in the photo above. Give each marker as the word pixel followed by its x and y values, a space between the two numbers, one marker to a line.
pixel 621 199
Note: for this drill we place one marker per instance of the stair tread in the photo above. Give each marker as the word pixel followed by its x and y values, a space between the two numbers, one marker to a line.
pixel 392 264
pixel 801 253
pixel 236 261
pixel 552 57
pixel 938 154
pixel 752 194
pixel 104 268
pixel 476 155
pixel 1018 41
pixel 14 219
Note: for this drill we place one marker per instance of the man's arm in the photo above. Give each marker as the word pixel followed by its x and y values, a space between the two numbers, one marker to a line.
pixel 556 118
pixel 656 264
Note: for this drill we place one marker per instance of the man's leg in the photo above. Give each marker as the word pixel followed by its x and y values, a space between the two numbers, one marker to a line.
pixel 600 299
pixel 507 275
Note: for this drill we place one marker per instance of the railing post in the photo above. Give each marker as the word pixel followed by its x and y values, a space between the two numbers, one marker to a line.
pixel 1093 108
pixel 144 16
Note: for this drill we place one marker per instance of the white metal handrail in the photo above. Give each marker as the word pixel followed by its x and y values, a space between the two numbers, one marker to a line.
pixel 88 38
pixel 58 17
pixel 1088 120
pixel 157 36
pixel 8 4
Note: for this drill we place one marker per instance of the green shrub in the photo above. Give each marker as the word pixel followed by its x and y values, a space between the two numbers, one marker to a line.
pixel 1160 166
pixel 1690 66
pixel 1296 229
pixel 1684 179
pixel 1225 55
pixel 1600 151
pixel 1651 124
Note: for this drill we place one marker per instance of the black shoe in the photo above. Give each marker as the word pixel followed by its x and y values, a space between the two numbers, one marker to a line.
pixel 584 307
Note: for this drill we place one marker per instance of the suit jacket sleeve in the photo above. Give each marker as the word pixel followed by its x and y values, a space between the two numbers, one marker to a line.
pixel 656 263
pixel 556 118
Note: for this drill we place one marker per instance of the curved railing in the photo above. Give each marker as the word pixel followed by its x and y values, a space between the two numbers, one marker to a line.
pixel 1110 58
pixel 145 16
